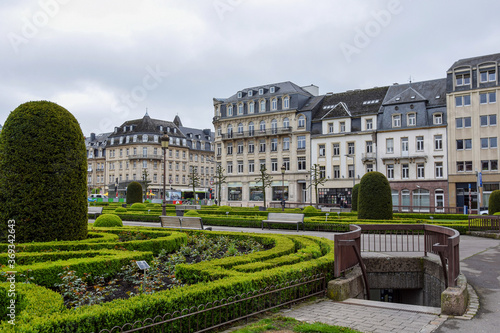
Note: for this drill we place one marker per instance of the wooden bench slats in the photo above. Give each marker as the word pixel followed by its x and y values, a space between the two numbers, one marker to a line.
pixel 189 222
pixel 284 218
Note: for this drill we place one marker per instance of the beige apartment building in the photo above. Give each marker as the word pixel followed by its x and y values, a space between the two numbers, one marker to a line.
pixel 265 126
pixel 473 112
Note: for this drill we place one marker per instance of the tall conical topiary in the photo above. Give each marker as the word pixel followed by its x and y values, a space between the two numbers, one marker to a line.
pixel 43 174
pixel 374 198
pixel 355 193
pixel 134 193
pixel 494 202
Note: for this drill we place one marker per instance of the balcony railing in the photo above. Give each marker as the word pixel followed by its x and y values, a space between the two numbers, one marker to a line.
pixel 145 157
pixel 368 157
pixel 256 133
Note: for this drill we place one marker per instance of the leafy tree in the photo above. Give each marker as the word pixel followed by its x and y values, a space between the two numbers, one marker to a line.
pixel 220 178
pixel 194 180
pixel 494 202
pixel 355 193
pixel 145 182
pixel 265 180
pixel 316 179
pixel 43 174
pixel 134 193
pixel 374 198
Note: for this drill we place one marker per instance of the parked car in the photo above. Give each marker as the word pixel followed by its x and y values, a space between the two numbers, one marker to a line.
pixel 93 197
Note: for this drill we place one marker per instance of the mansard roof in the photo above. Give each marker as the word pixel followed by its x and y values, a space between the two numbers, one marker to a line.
pixel 432 92
pixel 281 88
pixel 474 61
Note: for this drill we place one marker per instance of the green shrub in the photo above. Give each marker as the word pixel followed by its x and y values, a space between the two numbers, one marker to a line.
pixel 355 193
pixel 138 207
pixel 43 174
pixel 108 220
pixel 121 210
pixel 494 202
pixel 309 210
pixel 225 209
pixel 191 212
pixel 134 193
pixel 374 198
pixel 147 201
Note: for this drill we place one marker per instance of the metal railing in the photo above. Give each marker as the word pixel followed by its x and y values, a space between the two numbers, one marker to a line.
pixel 484 223
pixel 426 238
pixel 213 315
pixel 145 156
pixel 427 209
pixel 256 133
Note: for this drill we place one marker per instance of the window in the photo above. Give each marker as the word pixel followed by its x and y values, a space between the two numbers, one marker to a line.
pixel 274 144
pixel 420 170
pixel 286 102
pixel 464 166
pixel 229 110
pixel 336 149
pixel 396 120
pixel 271 90
pixel 468 143
pixel 274 126
pixel 219 149
pixel 301 143
pixel 250 93
pixel 412 119
pixel 301 163
pixel 390 171
pixel 286 143
pixel 369 147
pixel 251 107
pixel 262 146
pixel 263 105
pixel 350 171
pixel 286 163
pixel 302 121
pixel 261 91
pixel 493 142
pixel 438 167
pixel 144 138
pixel 330 127
pixel 342 126
pixel 321 150
pixel 240 94
pixel 488 143
pixel 240 128
pixel 251 166
pixel 485 98
pixel 240 147
pixel 240 166
pixel 437 118
pixel 404 146
pixel 462 79
pixel 420 143
pixel 460 144
pixel 369 167
pixel 350 148
pixel 405 171
pixel 463 100
pixel 492 119
pixel 369 124
pixel 229 131
pixel 219 131
pixel 274 164
pixel 336 172
pixel 274 104
pixel 229 148
pixel 459 122
pixel 286 123
pixel 229 167
pixel 488 76
pixel 484 143
pixel 251 147
pixel 251 128
pixel 389 143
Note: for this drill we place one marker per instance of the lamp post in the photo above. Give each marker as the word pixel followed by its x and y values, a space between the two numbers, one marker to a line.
pixel 164 145
pixel 283 169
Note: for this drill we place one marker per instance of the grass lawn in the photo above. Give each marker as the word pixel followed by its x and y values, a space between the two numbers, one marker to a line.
pixel 289 325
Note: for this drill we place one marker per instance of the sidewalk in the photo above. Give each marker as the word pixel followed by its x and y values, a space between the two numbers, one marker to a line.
pixel 480 263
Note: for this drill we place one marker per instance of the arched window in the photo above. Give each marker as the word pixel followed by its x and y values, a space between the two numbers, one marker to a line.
pixel 229 110
pixel 135 138
pixel 262 126
pixel 155 138
pixel 421 200
pixel 144 138
pixel 274 126
pixel 251 107
pixel 251 129
pixel 286 123
pixel 240 128
pixel 240 108
pixel 286 102
pixel 219 131
pixel 263 105
pixel 302 121
pixel 274 104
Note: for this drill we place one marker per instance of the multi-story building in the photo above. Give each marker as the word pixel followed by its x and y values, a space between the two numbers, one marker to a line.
pixel 412 145
pixel 96 158
pixel 265 126
pixel 344 141
pixel 133 153
pixel 472 87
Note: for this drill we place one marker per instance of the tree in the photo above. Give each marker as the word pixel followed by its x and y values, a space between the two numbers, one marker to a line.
pixel 355 193
pixel 134 193
pixel 494 202
pixel 220 178
pixel 374 198
pixel 194 180
pixel 265 180
pixel 43 174
pixel 317 178
pixel 145 182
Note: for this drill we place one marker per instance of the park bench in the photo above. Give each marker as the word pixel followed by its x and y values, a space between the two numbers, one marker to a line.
pixel 96 211
pixel 180 209
pixel 284 218
pixel 188 222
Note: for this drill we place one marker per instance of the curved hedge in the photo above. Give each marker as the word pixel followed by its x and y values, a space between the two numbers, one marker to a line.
pixel 43 174
pixel 494 202
pixel 374 198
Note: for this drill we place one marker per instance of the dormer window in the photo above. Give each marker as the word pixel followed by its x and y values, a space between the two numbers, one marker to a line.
pixel 240 94
pixel 274 104
pixel 272 90
pixel 161 128
pixel 144 138
pixel 229 110
pixel 286 102
pixel 250 93
pixel 462 79
pixel 240 108
pixel 261 91
pixel 488 76
pixel 135 138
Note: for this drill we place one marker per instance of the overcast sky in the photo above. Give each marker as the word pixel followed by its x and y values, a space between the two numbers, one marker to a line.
pixel 107 61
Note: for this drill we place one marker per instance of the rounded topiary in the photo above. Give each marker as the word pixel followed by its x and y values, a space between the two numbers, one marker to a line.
pixel 355 193
pixel 134 193
pixel 191 212
pixel 138 207
pixel 108 220
pixel 374 197
pixel 120 210
pixel 309 209
pixel 494 202
pixel 43 174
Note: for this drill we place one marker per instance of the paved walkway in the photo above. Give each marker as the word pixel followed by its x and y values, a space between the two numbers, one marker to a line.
pixel 480 263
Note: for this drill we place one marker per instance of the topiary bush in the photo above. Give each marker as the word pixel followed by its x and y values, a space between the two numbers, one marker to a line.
pixel 374 197
pixel 108 220
pixel 43 174
pixel 138 207
pixel 191 212
pixel 225 209
pixel 355 193
pixel 494 202
pixel 134 193
pixel 309 209
pixel 120 210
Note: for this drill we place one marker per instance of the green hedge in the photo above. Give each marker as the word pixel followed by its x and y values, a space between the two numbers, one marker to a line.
pixel 108 220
